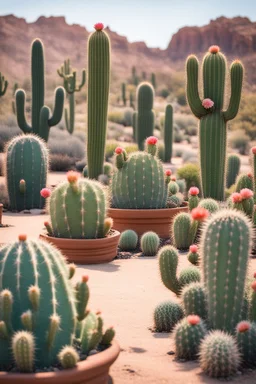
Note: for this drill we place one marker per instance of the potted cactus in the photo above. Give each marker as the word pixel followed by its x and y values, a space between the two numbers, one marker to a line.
pixel 141 197
pixel 46 333
pixel 79 227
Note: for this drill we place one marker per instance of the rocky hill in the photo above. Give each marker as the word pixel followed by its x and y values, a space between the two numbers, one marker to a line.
pixel 236 37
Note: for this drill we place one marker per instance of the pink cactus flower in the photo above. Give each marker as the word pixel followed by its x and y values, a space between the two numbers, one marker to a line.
pixel 246 193
pixel 193 319
pixel 243 326
pixel 199 214
pixel 254 285
pixel 45 192
pixel 168 172
pixel 207 103
pixel 214 49
pixel 193 191
pixel 119 150
pixel 173 178
pixel 72 176
pixel 22 237
pixel 99 26
pixel 236 197
pixel 152 140
pixel 249 174
pixel 193 248
pixel 85 278
pixel 254 150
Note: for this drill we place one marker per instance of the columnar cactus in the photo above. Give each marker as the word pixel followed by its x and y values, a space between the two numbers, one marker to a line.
pixel 166 316
pixel 193 199
pixel 146 117
pixel 26 172
pixel 246 340
pixel 41 120
pixel 233 168
pixel 78 209
pixel 244 181
pixel 139 181
pixel 98 94
pixel 254 171
pixel 153 80
pixel 213 120
pixel 193 256
pixel 134 125
pixel 124 93
pixel 69 82
pixel 194 300
pixel 225 247
pixel 3 85
pixel 15 87
pixel 168 133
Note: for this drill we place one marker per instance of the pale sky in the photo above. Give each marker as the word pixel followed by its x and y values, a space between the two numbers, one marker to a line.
pixel 152 21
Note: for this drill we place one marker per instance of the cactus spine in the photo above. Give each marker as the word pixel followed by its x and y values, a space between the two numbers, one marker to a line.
pixel 3 85
pixel 146 116
pixel 213 120
pixel 233 168
pixel 41 120
pixel 98 94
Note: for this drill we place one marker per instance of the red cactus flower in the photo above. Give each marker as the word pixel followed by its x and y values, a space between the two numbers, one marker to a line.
pixel 45 192
pixel 22 181
pixel 72 176
pixel 85 278
pixel 193 248
pixel 119 150
pixel 46 223
pixel 236 197
pixel 207 103
pixel 152 140
pixel 253 285
pixel 173 178
pixel 199 214
pixel 249 174
pixel 168 172
pixel 243 326
pixel 246 193
pixel 98 312
pixel 22 237
pixel 193 319
pixel 254 275
pixel 214 49
pixel 99 26
pixel 254 150
pixel 193 191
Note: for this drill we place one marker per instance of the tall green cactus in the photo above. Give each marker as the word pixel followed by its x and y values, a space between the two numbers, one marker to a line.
pixel 41 120
pixel 254 171
pixel 134 125
pixel 213 120
pixel 153 80
pixel 168 133
pixel 98 94
pixel 124 93
pixel 233 168
pixel 146 116
pixel 15 87
pixel 26 172
pixel 225 247
pixel 69 83
pixel 3 85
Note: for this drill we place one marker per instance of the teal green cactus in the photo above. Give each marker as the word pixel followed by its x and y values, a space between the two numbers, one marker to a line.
pixel 173 188
pixel 213 120
pixel 219 355
pixel 131 98
pixel 124 94
pixel 243 201
pixel 108 336
pixel 68 357
pixel 91 332
pixel 225 247
pixel 139 181
pixel 153 80
pixel 98 94
pixel 252 302
pixel 182 185
pixel 246 340
pixel 78 209
pixel 3 85
pixel 149 243
pixel 128 240
pixel 188 335
pixel 23 349
pixel 233 168
pixel 193 255
pixel 26 172
pixel 134 125
pixel 41 121
pixel 168 262
pixel 194 300
pixel 146 117
pixel 168 133
pixel 15 87
pixel 175 201
pixel 244 181
pixel 166 316
pixel 193 199
pixel 69 82
pixel 183 230
pixel 210 204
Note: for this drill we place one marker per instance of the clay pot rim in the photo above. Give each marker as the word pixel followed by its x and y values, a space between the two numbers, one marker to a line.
pixel 94 362
pixel 66 239
pixel 184 205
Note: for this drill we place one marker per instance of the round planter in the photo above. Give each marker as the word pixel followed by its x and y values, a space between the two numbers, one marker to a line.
pixel 93 370
pixel 144 220
pixel 87 251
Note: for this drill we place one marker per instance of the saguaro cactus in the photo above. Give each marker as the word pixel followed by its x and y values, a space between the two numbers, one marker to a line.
pixel 41 120
pixel 69 83
pixel 98 94
pixel 3 85
pixel 168 133
pixel 213 120
pixel 124 93
pixel 146 116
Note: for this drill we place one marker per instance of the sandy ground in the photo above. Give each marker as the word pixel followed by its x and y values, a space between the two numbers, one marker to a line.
pixel 127 291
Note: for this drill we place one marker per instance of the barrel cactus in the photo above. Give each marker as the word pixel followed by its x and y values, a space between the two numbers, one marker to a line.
pixel 246 340
pixel 244 181
pixel 26 172
pixel 149 243
pixel 166 316
pixel 145 117
pixel 128 240
pixel 213 119
pixel 194 300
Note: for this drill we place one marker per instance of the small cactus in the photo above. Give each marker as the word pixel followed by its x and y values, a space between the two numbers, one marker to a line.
pixel 210 204
pixel 194 300
pixel 193 199
pixel 166 316
pixel 233 167
pixel 108 336
pixel 128 240
pixel 173 188
pixel 145 117
pixel 244 181
pixel 149 243
pixel 68 357
pixel 193 256
pixel 246 340
pixel 23 349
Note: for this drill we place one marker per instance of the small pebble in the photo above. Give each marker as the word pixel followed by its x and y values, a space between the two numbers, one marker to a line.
pixel 93 352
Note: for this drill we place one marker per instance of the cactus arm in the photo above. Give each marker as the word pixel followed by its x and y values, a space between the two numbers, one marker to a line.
pixel 3 85
pixel 67 120
pixel 20 108
pixel 83 80
pixel 193 97
pixel 58 108
pixel 236 76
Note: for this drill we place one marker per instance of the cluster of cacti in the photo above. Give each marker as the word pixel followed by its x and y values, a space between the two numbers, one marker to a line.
pixel 213 120
pixel 40 309
pixel 233 168
pixel 244 181
pixel 149 243
pixel 3 85
pixel 69 82
pixel 26 172
pixel 78 209
pixel 98 94
pixel 166 316
pixel 41 121
pixel 139 181
pixel 128 240
pixel 168 133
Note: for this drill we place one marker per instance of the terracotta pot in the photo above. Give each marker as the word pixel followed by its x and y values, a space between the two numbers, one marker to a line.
pixel 87 251
pixel 93 370
pixel 144 220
